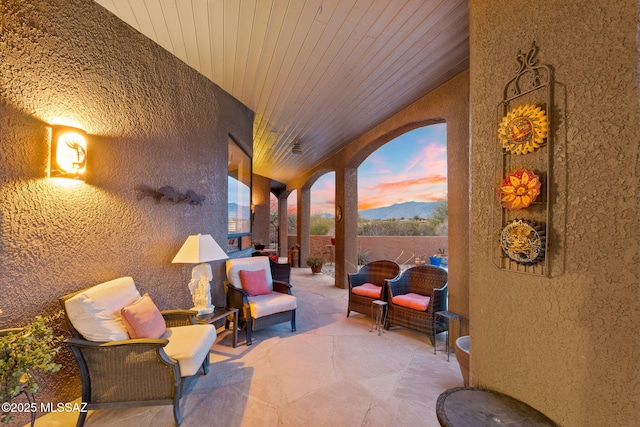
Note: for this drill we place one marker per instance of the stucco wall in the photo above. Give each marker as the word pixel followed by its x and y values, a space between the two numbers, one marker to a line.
pixel 151 120
pixel 566 344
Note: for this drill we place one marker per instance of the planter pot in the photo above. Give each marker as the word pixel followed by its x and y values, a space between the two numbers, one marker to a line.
pixel 315 269
pixel 436 261
pixel 463 346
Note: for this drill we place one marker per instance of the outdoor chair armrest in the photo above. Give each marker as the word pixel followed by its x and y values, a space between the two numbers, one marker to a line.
pixel 156 342
pixel 236 297
pixel 174 318
pixel 439 298
pixel 282 287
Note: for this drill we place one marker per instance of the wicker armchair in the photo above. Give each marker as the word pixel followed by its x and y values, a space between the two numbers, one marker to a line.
pixel 139 372
pixel 375 273
pixel 257 312
pixel 424 280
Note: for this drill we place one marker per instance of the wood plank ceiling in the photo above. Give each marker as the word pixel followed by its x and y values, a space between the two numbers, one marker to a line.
pixel 316 72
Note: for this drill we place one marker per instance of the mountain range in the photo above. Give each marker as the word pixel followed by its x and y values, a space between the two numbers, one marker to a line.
pixel 406 210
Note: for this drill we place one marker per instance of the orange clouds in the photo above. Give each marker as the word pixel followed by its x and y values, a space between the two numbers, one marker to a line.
pixel 430 188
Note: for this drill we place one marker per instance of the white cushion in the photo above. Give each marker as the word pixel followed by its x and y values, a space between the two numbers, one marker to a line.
pixel 275 302
pixel 189 345
pixel 95 312
pixel 234 266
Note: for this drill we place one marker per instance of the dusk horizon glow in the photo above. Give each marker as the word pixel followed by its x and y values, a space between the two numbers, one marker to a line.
pixel 409 168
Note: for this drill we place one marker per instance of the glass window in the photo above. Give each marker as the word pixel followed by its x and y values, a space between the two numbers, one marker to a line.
pixel 239 198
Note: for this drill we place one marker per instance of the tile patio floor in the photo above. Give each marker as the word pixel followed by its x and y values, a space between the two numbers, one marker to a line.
pixel 332 372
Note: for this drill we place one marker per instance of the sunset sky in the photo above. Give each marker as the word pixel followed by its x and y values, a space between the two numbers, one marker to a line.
pixel 412 167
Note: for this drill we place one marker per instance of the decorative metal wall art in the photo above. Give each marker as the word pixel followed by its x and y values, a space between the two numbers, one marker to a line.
pixel 523 241
pixel 168 194
pixel 523 129
pixel 524 123
pixel 519 189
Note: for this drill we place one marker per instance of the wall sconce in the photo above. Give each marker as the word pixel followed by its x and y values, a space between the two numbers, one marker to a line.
pixel 68 152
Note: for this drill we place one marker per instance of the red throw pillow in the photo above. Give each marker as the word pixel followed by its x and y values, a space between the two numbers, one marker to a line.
pixel 143 319
pixel 254 282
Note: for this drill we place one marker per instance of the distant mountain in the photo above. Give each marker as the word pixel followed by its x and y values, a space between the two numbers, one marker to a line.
pixel 245 211
pixel 405 210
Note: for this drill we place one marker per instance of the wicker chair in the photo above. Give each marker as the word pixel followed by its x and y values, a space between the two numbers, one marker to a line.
pixel 424 280
pixel 134 372
pixel 257 312
pixel 375 272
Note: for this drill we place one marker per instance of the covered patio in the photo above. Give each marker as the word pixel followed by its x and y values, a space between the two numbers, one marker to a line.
pixel 333 371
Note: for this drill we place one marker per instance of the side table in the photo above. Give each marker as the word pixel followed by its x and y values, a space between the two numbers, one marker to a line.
pixel 379 313
pixel 448 317
pixel 470 406
pixel 222 313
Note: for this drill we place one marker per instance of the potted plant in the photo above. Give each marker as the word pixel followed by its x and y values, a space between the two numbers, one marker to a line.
pixel 316 263
pixel 436 259
pixel 23 352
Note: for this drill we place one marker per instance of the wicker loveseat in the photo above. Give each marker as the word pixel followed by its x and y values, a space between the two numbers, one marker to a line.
pixel 370 276
pixel 425 283
pixel 119 371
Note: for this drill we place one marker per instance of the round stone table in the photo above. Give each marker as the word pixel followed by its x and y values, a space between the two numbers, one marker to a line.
pixel 475 407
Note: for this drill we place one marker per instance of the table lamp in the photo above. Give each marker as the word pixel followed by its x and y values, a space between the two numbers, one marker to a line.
pixel 199 249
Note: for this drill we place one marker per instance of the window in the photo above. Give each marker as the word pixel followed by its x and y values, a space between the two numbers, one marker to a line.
pixel 239 198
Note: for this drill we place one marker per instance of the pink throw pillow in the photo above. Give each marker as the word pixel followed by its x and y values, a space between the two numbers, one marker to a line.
pixel 143 319
pixel 411 300
pixel 368 290
pixel 254 282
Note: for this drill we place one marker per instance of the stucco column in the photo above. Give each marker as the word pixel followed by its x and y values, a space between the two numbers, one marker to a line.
pixel 260 192
pixel 283 235
pixel 304 223
pixel 347 226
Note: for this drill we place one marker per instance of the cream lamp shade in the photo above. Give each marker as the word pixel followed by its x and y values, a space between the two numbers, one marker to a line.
pixel 198 249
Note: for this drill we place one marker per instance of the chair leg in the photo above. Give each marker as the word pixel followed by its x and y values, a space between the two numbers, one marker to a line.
pixel 249 327
pixel 293 321
pixel 177 413
pixel 205 365
pixel 81 418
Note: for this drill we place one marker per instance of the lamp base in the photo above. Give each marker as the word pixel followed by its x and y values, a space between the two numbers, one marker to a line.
pixel 203 310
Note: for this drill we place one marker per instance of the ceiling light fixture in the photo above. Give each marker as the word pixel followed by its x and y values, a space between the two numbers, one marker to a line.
pixel 296 149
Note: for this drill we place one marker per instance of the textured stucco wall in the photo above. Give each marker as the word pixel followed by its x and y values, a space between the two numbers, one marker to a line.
pixel 567 344
pixel 151 120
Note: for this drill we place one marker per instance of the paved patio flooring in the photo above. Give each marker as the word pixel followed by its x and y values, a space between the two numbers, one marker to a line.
pixel 332 372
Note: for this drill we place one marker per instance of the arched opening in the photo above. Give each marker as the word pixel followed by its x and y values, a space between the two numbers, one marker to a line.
pixel 402 195
pixel 322 223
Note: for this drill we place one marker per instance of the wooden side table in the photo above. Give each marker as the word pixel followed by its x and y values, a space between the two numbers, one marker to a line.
pixel 448 317
pixel 220 313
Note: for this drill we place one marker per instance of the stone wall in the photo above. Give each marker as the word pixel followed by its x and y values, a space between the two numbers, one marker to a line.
pixel 401 249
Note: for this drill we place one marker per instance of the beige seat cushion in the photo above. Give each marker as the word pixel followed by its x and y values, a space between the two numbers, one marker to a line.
pixel 189 345
pixel 275 302
pixel 95 312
